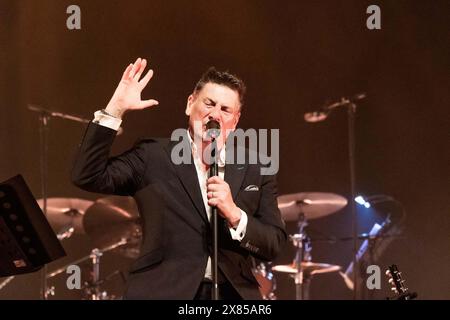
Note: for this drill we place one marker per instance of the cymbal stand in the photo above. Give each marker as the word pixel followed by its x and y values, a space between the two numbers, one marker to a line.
pixel 303 244
pixel 93 289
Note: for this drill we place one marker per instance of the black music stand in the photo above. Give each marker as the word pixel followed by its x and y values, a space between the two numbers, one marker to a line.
pixel 27 241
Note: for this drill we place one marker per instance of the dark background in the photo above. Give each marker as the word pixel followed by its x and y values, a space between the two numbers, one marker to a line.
pixel 294 56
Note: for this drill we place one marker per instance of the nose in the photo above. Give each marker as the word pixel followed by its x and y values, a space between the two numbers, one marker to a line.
pixel 214 114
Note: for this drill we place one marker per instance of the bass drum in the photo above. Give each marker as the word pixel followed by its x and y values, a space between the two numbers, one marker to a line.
pixel 266 280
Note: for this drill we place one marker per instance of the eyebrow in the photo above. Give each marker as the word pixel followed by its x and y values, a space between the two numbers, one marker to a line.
pixel 214 103
pixel 211 100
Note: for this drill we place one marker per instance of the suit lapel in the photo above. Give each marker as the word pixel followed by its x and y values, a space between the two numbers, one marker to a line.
pixel 188 177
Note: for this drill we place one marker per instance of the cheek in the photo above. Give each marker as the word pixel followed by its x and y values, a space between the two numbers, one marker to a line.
pixel 202 112
pixel 229 122
pixel 198 114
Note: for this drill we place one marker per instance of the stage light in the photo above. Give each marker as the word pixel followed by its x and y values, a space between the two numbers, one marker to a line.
pixel 361 201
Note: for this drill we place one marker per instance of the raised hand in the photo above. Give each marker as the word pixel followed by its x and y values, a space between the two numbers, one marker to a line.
pixel 128 92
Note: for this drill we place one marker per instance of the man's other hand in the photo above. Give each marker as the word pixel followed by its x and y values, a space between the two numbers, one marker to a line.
pixel 219 195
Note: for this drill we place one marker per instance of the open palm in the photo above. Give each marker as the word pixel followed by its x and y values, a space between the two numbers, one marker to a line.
pixel 128 92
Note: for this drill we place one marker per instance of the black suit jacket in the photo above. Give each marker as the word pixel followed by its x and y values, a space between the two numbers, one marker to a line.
pixel 176 231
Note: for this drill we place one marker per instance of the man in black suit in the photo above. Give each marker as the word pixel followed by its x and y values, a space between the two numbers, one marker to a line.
pixel 175 199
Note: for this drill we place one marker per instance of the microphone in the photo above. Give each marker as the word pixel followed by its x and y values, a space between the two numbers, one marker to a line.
pixel 315 116
pixel 213 129
pixel 322 114
pixel 213 132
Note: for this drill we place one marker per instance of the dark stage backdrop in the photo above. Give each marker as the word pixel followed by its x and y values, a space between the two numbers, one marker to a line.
pixel 294 56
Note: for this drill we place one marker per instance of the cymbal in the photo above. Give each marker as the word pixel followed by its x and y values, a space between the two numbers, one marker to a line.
pixel 313 205
pixel 111 219
pixel 66 212
pixel 308 267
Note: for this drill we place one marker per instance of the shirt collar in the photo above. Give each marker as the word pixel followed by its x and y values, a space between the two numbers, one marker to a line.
pixel 222 153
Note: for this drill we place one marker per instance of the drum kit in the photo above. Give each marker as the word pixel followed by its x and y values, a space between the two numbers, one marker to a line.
pixel 113 225
pixel 300 208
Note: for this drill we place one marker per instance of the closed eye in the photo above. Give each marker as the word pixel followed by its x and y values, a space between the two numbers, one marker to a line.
pixel 227 109
pixel 209 102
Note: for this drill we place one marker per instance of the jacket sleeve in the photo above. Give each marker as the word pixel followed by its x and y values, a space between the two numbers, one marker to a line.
pixel 265 234
pixel 95 171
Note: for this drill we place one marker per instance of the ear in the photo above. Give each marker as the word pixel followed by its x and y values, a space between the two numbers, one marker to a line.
pixel 189 103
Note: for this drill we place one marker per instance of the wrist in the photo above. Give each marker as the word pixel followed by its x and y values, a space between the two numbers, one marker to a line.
pixel 235 218
pixel 113 111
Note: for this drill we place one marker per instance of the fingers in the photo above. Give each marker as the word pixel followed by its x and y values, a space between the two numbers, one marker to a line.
pixel 221 188
pixel 212 194
pixel 215 179
pixel 142 65
pixel 148 103
pixel 126 73
pixel 215 187
pixel 213 202
pixel 135 68
pixel 146 78
pixel 215 197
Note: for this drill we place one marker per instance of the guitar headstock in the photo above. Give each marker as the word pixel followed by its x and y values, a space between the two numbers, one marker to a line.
pixel 398 284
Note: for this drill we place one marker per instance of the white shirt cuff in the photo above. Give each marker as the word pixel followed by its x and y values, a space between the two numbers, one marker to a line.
pixel 239 233
pixel 107 121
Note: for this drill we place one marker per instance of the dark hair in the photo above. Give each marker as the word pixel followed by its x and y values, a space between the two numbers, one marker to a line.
pixel 223 78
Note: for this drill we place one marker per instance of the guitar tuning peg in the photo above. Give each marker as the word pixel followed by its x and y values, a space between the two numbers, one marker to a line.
pixel 391 281
pixel 388 273
pixel 394 289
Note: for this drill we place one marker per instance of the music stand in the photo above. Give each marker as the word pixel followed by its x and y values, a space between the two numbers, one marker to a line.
pixel 27 241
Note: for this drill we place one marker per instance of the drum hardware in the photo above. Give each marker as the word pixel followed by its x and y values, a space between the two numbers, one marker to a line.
pixel 303 244
pixel 302 269
pixel 112 223
pixel 301 207
pixel 111 219
pixel 91 288
pixel 266 280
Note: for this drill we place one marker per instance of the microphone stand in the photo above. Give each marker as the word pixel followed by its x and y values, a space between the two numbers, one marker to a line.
pixel 351 111
pixel 44 119
pixel 213 171
pixel 50 113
